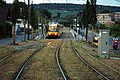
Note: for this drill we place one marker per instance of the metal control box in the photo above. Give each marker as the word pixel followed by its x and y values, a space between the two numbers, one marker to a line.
pixel 103 43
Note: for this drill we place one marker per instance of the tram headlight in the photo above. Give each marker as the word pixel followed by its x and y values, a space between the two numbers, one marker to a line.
pixel 55 33
pixel 49 33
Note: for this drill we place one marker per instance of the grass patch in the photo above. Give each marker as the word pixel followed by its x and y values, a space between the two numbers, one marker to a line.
pixel 114 55
pixel 96 63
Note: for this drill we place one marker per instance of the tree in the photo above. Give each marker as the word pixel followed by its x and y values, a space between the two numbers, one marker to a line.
pixel 32 19
pixel 24 15
pixel 23 10
pixel 79 19
pixel 93 16
pixel 58 15
pixel 68 20
pixel 86 18
pixel 45 13
pixel 2 2
pixel 15 15
pixel 104 11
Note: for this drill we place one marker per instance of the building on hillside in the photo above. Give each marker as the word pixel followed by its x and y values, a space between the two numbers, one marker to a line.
pixel 116 17
pixel 105 18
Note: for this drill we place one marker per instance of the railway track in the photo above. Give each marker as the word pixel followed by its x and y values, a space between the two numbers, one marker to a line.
pixel 57 55
pixel 89 54
pixel 101 74
pixel 43 65
pixel 20 65
pixel 66 73
pixel 110 72
pixel 17 51
pixel 87 64
pixel 62 71
pixel 25 63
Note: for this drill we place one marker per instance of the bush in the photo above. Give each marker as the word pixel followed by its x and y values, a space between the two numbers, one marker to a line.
pixel 114 29
pixel 6 29
pixel 9 29
pixel 3 27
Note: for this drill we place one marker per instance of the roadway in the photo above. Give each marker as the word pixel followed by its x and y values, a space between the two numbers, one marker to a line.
pixel 110 41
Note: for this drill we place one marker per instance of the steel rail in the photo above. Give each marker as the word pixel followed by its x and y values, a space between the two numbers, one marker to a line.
pixel 14 52
pixel 25 63
pixel 8 55
pixel 58 62
pixel 86 63
pixel 102 63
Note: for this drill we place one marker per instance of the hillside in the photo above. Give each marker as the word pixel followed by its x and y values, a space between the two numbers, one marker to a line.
pixel 71 9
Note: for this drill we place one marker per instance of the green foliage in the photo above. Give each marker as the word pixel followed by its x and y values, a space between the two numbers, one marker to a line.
pixel 68 20
pixel 93 12
pixel 6 29
pixel 33 18
pixel 79 19
pixel 87 14
pixel 103 26
pixel 45 13
pixel 58 15
pixel 2 2
pixel 114 29
pixel 104 11
pixel 23 10
pixel 63 12
pixel 2 26
pixel 69 17
pixel 15 11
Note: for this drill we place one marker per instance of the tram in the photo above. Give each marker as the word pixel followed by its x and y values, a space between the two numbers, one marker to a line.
pixel 54 30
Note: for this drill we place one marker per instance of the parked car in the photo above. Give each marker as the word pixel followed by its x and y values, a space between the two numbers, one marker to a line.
pixel 96 37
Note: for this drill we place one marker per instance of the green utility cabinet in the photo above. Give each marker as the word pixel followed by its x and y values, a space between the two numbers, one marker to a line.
pixel 103 43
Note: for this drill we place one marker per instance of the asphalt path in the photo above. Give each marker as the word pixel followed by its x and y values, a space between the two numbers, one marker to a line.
pixel 6 41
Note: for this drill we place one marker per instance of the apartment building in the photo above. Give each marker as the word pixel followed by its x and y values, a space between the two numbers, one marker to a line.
pixel 105 18
pixel 116 16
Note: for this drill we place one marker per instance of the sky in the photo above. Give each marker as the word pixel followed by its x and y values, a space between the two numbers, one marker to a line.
pixel 99 2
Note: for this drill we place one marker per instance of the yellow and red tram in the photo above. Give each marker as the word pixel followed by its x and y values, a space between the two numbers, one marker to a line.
pixel 54 30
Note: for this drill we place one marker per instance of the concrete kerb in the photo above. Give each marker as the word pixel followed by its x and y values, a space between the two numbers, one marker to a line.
pixel 77 36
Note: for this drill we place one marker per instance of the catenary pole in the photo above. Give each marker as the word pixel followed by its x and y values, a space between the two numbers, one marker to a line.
pixel 28 17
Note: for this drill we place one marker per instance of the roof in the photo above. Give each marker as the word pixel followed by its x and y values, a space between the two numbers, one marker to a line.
pixel 53 23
